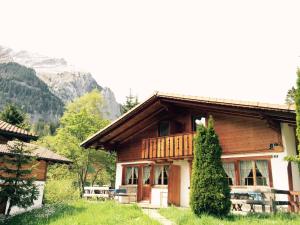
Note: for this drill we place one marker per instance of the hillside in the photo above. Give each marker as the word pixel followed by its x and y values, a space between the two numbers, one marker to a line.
pixel 65 81
pixel 20 85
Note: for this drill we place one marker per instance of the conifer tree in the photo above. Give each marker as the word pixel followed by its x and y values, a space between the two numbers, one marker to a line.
pixel 297 103
pixel 210 192
pixel 131 101
pixel 290 96
pixel 14 115
pixel 17 183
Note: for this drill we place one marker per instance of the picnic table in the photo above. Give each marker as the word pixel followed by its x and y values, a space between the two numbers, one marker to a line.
pixel 97 192
pixel 252 198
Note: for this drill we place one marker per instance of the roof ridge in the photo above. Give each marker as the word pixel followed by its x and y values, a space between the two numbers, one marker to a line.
pixel 229 101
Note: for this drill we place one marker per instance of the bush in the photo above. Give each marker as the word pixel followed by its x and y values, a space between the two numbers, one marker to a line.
pixel 210 193
pixel 58 191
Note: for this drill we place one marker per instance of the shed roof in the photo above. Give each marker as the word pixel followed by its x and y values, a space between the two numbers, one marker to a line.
pixel 15 131
pixel 37 151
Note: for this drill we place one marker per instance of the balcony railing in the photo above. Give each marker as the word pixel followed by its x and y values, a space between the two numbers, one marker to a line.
pixel 168 147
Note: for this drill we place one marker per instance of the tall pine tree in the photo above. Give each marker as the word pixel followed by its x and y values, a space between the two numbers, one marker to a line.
pixel 210 192
pixel 17 182
pixel 131 101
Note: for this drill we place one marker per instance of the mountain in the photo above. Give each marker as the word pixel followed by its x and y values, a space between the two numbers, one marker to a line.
pixel 65 81
pixel 20 85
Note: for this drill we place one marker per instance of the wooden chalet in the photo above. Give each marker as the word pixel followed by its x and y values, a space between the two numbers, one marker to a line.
pixel 154 145
pixel 8 134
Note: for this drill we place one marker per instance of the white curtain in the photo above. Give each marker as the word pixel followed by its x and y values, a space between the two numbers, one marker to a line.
pixel 262 166
pixel 128 174
pixel 136 172
pixel 229 169
pixel 146 174
pixel 166 168
pixel 245 169
pixel 157 173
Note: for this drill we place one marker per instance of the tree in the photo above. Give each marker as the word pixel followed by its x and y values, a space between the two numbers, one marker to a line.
pixel 15 116
pixel 297 103
pixel 210 192
pixel 131 101
pixel 290 96
pixel 17 184
pixel 81 119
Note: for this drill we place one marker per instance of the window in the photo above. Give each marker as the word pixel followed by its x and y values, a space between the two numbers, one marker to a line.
pixel 132 174
pixel 254 173
pixel 197 120
pixel 161 174
pixel 146 174
pixel 230 172
pixel 164 128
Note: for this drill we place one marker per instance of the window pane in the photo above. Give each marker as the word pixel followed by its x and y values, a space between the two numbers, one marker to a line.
pixel 262 172
pixel 230 172
pixel 135 175
pixel 246 174
pixel 128 175
pixel 158 174
pixel 166 175
pixel 146 175
pixel 161 174
pixel 164 128
pixel 196 120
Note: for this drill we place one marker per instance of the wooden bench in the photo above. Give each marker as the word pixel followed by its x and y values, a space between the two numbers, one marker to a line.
pixel 238 203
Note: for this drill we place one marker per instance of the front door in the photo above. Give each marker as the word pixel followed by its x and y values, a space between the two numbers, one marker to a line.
pixel 174 185
pixel 146 188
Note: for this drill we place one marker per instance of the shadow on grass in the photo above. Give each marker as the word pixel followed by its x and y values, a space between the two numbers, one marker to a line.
pixel 44 215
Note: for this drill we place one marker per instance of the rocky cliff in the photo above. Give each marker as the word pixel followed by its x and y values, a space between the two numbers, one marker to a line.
pixel 64 80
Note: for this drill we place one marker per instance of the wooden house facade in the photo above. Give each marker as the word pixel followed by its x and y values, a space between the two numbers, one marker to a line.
pixel 154 145
pixel 8 135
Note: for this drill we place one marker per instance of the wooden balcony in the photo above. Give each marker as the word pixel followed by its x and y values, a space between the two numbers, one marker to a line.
pixel 175 146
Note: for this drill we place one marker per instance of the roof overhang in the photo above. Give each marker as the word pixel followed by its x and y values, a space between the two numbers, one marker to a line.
pixel 145 114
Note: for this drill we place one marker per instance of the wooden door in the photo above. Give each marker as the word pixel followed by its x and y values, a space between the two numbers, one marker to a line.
pixel 174 185
pixel 146 183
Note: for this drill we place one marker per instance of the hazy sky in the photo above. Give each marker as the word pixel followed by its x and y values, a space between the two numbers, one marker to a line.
pixel 246 50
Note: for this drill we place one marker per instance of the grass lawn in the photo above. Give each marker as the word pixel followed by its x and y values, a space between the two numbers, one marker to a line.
pixel 83 213
pixel 185 217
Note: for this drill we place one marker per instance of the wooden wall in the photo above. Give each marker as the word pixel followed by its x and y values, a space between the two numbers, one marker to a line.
pixel 242 135
pixel 39 170
pixel 236 134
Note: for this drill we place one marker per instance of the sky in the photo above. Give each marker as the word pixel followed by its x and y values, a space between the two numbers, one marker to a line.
pixel 236 49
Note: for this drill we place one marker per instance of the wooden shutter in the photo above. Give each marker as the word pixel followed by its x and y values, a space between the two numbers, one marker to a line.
pixel 174 185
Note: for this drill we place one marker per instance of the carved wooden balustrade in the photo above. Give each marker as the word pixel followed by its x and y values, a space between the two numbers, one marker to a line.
pixel 174 146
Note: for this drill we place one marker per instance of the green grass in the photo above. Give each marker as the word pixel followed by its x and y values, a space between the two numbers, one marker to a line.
pixel 83 213
pixel 186 217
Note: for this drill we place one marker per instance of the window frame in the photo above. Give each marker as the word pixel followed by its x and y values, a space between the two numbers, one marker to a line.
pixel 132 175
pixel 159 130
pixel 193 120
pixel 162 166
pixel 237 161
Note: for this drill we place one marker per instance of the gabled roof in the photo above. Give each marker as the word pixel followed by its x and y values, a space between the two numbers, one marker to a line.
pixel 37 151
pixel 9 129
pixel 159 100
